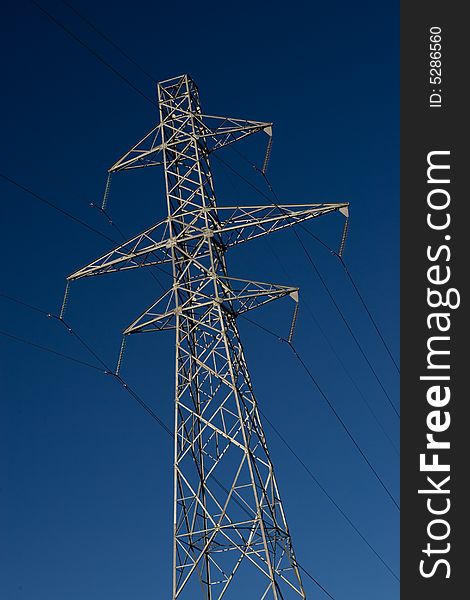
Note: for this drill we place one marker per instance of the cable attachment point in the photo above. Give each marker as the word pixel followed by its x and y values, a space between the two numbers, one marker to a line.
pixel 267 156
pixel 343 237
pixel 64 301
pixel 121 354
pixel 106 192
pixel 295 297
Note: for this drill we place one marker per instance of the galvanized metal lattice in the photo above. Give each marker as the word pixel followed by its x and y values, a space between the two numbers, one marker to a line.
pixel 229 522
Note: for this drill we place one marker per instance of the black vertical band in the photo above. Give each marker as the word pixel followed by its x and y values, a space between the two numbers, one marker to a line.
pixel 435 231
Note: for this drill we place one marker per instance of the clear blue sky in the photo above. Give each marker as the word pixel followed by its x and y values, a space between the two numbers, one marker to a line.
pixel 86 475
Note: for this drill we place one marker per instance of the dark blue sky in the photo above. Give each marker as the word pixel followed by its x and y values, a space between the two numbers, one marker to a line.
pixel 86 475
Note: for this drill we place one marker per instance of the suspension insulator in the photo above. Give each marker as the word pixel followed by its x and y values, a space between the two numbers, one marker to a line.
pixel 343 238
pixel 121 355
pixel 267 155
pixel 294 321
pixel 65 300
pixel 106 193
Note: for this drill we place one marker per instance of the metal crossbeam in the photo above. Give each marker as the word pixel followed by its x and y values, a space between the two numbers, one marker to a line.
pixel 243 223
pixel 229 520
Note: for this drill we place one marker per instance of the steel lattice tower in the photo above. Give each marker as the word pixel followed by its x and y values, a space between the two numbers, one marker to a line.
pixel 228 514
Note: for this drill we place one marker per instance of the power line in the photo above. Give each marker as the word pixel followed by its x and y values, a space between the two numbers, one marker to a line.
pixel 351 379
pixel 55 207
pixel 344 426
pixel 322 280
pixel 336 305
pixel 145 406
pixel 117 377
pixel 109 40
pixel 325 397
pixel 124 237
pixel 338 357
pixel 50 350
pixel 322 488
pixel 348 273
pixel 106 370
pixel 25 304
pixel 79 221
pixel 356 289
pixel 92 52
pixel 310 576
pixel 136 89
pixel 310 374
pixel 369 313
pixel 138 399
pixel 103 369
pixel 353 335
pixel 110 220
pixel 130 391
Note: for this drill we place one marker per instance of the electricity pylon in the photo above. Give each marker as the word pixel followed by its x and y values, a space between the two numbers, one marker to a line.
pixel 229 522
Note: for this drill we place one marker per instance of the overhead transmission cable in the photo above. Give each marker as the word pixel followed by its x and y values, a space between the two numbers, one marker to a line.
pixel 319 389
pixel 124 237
pixel 99 233
pixel 136 89
pixel 109 40
pixel 125 79
pixel 325 285
pixel 110 239
pixel 340 312
pixel 338 255
pixel 55 207
pixel 69 215
pixel 103 368
pixel 299 358
pixel 140 93
pixel 325 336
pixel 92 52
pixel 338 357
pixel 49 350
pixel 323 489
pixel 332 408
pixel 358 293
pixel 391 496
pixel 106 370
pixel 336 305
pixel 310 374
pixel 53 18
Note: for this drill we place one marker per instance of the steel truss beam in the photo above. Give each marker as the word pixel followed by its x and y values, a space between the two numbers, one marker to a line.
pixel 229 520
pixel 244 223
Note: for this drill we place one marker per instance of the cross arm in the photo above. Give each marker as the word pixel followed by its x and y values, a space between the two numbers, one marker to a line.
pixel 148 248
pixel 146 153
pixel 235 296
pixel 245 223
pixel 216 131
pixel 223 131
